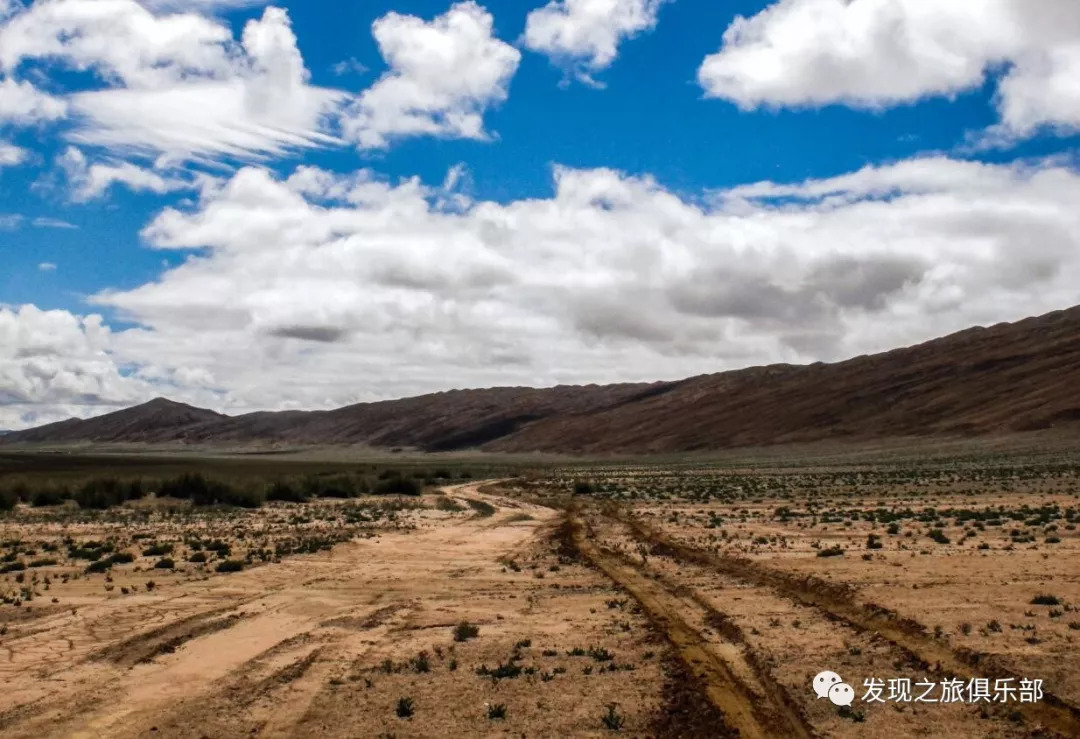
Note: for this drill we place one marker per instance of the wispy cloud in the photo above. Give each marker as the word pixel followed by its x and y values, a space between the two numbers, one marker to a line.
pixel 52 223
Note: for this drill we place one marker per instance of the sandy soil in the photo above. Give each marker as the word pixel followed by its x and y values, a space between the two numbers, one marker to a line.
pixel 329 644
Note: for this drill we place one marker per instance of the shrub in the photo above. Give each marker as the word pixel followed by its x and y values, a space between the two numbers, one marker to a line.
pixel 157 550
pixel 398 485
pixel 465 631
pixel 834 551
pixel 405 708
pixel 873 542
pixel 122 558
pixel 1044 599
pixel 583 487
pixel 49 497
pixel 197 557
pixel 285 491
pixel 496 711
pixel 101 565
pixel 612 720
pixel 483 509
pixel 164 564
pixel 421 663
pixel 8 499
pixel 939 536
pixel 46 562
pixel 101 493
pixel 230 565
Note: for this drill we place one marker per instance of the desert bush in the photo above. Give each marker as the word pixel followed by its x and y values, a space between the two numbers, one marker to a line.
pixel 230 565
pixel 939 536
pixel 583 487
pixel 496 711
pixel 398 485
pixel 49 496
pixel 482 508
pixel 612 720
pixel 165 564
pixel 405 708
pixel 198 557
pixel 465 631
pixel 834 551
pixel 101 493
pixel 285 491
pixel 1045 599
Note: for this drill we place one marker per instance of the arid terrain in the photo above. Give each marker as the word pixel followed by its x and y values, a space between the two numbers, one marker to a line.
pixel 673 598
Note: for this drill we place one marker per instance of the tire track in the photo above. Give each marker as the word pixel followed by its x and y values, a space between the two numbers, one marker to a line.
pixel 745 711
pixel 837 602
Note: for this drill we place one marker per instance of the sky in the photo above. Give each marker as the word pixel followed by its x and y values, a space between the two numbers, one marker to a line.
pixel 246 206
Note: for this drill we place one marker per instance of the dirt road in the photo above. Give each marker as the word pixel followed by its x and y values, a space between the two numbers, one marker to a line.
pixel 260 644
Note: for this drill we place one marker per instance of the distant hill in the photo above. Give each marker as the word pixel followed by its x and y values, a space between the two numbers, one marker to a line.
pixel 1011 377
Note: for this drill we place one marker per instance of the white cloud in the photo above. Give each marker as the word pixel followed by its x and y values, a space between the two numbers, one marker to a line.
pixel 23 104
pixel 42 222
pixel 874 53
pixel 176 83
pixel 90 181
pixel 54 365
pixel 10 221
pixel 585 34
pixel 46 267
pixel 443 75
pixel 322 289
pixel 11 155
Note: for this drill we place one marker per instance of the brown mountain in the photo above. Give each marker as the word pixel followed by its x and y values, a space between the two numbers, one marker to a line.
pixel 1012 377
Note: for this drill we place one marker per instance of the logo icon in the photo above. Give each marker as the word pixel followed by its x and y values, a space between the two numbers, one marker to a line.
pixel 828 684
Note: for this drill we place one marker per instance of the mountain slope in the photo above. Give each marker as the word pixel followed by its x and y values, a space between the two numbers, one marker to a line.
pixel 1007 378
pixel 160 418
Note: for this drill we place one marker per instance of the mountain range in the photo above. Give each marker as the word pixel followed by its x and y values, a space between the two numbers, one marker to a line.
pixel 1008 378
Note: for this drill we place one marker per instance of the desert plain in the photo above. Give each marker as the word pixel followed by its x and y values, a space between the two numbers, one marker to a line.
pixel 540 597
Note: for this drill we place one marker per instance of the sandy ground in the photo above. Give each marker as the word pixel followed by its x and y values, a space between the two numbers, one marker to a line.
pixel 329 644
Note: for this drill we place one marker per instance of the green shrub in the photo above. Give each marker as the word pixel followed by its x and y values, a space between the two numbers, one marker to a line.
pixel 939 536
pixel 496 711
pixel 230 565
pixel 49 497
pixel 398 485
pixel 404 708
pixel 612 720
pixel 286 492
pixel 583 487
pixel 164 564
pixel 465 631
pixel 1045 599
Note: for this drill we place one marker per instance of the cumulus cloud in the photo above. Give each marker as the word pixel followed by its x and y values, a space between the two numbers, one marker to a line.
pixel 55 365
pixel 175 83
pixel 875 53
pixel 584 35
pixel 11 155
pixel 321 289
pixel 23 104
pixel 443 74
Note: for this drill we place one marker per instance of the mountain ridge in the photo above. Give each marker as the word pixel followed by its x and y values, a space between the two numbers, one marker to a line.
pixel 1009 377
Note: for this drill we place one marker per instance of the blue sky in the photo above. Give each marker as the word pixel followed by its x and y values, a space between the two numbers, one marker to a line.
pixel 606 190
